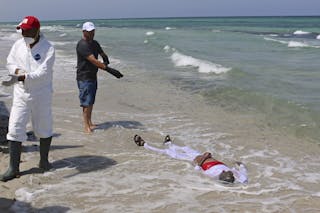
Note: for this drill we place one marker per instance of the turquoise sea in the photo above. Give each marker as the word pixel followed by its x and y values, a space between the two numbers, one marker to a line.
pixel 265 65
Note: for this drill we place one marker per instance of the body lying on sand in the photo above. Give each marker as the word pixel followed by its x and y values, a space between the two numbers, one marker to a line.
pixel 204 162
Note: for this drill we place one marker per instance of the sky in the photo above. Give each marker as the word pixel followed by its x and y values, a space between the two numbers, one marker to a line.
pixel 15 10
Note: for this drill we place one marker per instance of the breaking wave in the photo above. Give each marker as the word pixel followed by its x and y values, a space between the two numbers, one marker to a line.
pixel 203 66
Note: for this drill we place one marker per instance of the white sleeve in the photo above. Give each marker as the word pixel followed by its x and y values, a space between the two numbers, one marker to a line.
pixel 11 60
pixel 241 174
pixel 174 151
pixel 161 151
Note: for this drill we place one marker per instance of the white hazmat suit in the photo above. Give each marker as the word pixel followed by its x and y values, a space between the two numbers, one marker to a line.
pixel 33 96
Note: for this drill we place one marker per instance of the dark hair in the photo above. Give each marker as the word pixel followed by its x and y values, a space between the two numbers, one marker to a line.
pixel 226 176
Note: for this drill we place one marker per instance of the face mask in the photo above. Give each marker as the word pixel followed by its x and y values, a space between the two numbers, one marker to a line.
pixel 28 40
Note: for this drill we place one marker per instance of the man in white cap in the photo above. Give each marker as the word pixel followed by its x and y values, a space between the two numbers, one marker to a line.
pixel 88 64
pixel 30 64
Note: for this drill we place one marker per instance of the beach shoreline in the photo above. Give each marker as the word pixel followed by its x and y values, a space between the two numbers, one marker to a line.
pixel 122 111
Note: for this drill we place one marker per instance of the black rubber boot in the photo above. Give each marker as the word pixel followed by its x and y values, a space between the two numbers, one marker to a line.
pixel 45 144
pixel 13 171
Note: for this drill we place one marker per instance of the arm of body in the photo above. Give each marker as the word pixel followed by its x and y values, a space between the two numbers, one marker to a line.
pixel 15 73
pixel 240 172
pixel 11 60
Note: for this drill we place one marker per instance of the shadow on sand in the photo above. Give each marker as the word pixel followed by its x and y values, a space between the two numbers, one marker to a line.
pixel 11 206
pixel 83 164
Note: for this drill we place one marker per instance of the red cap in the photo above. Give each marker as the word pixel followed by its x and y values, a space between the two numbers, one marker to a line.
pixel 28 23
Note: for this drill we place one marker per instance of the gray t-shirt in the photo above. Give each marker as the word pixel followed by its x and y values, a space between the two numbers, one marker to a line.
pixel 85 69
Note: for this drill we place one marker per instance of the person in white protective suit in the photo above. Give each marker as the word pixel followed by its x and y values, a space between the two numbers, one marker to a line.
pixel 30 64
pixel 204 162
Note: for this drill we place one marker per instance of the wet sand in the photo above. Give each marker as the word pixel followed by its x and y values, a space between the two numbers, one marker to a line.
pixel 106 171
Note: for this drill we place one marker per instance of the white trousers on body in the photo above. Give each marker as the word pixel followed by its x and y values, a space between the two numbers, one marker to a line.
pixel 174 151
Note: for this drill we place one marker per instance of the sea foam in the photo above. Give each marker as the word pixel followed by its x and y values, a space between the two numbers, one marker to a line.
pixel 150 33
pixel 300 32
pixel 63 35
pixel 170 28
pixel 26 195
pixel 53 28
pixel 11 37
pixel 167 48
pixel 61 43
pixel 275 40
pixel 291 43
pixel 203 66
pixel 297 44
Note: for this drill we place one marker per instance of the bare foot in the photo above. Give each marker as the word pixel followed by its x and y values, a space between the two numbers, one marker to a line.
pixel 93 126
pixel 88 130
